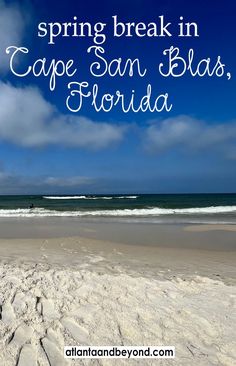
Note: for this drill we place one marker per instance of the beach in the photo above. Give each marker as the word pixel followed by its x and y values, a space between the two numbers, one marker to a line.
pixel 108 283
pixel 117 183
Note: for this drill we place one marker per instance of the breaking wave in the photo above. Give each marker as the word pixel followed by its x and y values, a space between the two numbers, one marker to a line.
pixel 88 197
pixel 144 212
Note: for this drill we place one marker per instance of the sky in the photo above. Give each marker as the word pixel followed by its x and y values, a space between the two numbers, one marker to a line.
pixel 47 148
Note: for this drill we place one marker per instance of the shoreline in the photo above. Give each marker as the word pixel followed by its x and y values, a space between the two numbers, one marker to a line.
pixel 205 236
pixel 184 250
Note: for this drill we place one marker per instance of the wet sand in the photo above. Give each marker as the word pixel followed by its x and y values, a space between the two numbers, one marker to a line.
pixel 210 237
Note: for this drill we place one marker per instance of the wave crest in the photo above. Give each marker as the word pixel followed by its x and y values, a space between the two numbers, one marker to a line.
pixel 154 211
pixel 88 197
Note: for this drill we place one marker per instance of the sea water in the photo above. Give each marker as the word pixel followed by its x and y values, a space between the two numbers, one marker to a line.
pixel 159 208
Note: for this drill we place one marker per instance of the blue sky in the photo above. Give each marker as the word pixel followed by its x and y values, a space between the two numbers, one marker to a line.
pixel 47 149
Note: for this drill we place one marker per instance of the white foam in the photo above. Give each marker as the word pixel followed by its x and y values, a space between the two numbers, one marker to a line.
pixel 88 197
pixel 129 197
pixel 155 211
pixel 64 197
pixel 99 198
pixel 110 198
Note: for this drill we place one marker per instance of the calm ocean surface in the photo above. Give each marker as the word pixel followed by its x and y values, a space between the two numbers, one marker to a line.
pixel 214 208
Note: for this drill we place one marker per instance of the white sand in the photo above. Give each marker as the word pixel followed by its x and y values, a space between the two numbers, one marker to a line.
pixel 46 306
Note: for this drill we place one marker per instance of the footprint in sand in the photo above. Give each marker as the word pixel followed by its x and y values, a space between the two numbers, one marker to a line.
pixel 8 314
pixel 55 337
pixel 26 353
pixel 43 244
pixel 19 304
pixel 46 308
pixel 54 355
pixel 22 334
pixel 19 341
pixel 27 356
pixel 79 333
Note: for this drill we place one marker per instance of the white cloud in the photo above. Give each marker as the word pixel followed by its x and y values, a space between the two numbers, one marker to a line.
pixel 15 184
pixel 27 119
pixel 11 30
pixel 190 134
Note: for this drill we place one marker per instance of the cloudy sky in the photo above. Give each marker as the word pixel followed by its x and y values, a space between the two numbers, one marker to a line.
pixel 46 148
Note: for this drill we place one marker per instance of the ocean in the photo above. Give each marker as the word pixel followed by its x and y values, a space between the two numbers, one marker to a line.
pixel 155 208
